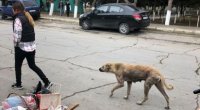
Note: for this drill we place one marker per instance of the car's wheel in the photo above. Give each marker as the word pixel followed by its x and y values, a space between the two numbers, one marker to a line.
pixel 3 16
pixel 85 25
pixel 124 28
pixel 36 17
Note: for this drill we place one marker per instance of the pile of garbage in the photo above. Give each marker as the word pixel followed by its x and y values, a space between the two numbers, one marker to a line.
pixel 39 99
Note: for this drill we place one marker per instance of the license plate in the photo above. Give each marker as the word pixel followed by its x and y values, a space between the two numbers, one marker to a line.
pixel 32 10
pixel 145 17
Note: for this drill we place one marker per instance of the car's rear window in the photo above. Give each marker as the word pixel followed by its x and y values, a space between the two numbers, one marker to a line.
pixel 26 3
pixel 29 3
pixel 133 8
pixel 10 3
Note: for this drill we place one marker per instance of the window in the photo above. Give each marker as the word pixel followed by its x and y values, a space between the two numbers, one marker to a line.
pixel 10 3
pixel 115 9
pixel 102 9
pixel 29 3
pixel 133 8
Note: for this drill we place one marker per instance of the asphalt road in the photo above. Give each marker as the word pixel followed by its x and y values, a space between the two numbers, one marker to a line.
pixel 70 56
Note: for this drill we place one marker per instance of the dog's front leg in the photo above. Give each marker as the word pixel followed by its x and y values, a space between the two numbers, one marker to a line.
pixel 129 83
pixel 119 85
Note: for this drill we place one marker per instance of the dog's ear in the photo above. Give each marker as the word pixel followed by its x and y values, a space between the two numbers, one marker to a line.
pixel 117 66
pixel 108 66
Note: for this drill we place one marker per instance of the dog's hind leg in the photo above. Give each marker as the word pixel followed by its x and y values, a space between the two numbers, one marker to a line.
pixel 147 86
pixel 129 83
pixel 162 90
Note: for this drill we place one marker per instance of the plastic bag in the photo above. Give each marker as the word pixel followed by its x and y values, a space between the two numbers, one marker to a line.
pixel 30 101
pixel 23 101
pixel 12 102
pixel 17 108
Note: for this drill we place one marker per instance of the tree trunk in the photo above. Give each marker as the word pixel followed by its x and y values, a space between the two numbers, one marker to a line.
pixel 169 5
pixel 168 16
pixel 3 2
pixel 51 7
pixel 76 8
pixel 135 3
pixel 117 1
pixel 93 4
pixel 126 1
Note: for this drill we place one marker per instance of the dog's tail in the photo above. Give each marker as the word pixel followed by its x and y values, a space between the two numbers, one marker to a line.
pixel 168 86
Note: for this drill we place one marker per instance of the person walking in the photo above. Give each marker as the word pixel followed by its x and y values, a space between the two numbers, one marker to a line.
pixel 67 8
pixel 61 6
pixel 41 5
pixel 24 44
pixel 48 5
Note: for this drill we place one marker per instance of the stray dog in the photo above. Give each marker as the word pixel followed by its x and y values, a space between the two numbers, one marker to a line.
pixel 135 73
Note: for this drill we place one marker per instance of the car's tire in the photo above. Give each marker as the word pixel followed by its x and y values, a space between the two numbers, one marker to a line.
pixel 3 16
pixel 37 17
pixel 86 25
pixel 124 28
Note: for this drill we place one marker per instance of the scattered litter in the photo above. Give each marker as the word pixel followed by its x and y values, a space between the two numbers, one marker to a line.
pixel 49 101
pixel 72 107
pixel 39 99
pixel 17 108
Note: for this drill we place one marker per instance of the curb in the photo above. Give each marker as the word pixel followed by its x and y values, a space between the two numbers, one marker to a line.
pixel 74 21
pixel 172 29
pixel 175 30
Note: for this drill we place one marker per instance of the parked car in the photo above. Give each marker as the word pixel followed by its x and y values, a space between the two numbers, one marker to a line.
pixel 121 16
pixel 30 6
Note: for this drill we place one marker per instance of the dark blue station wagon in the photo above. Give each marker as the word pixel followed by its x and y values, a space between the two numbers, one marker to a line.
pixel 30 6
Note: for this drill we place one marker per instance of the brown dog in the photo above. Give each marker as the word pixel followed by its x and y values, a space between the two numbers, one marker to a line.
pixel 135 73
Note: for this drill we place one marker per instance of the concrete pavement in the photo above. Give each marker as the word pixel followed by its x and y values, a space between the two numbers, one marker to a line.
pixel 156 27
pixel 71 57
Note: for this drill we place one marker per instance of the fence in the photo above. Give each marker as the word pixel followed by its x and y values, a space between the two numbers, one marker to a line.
pixel 186 17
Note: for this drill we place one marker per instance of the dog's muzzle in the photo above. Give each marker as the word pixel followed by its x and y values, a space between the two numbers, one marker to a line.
pixel 100 70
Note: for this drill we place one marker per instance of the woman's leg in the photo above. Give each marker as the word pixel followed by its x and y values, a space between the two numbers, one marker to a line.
pixel 30 56
pixel 19 57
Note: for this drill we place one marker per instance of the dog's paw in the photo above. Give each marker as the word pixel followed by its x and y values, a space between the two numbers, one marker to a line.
pixel 126 97
pixel 111 95
pixel 139 103
pixel 167 107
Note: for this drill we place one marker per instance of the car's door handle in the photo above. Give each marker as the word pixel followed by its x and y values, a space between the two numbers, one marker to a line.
pixel 118 16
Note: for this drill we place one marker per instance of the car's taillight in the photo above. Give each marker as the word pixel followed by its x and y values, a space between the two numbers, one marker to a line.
pixel 137 16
